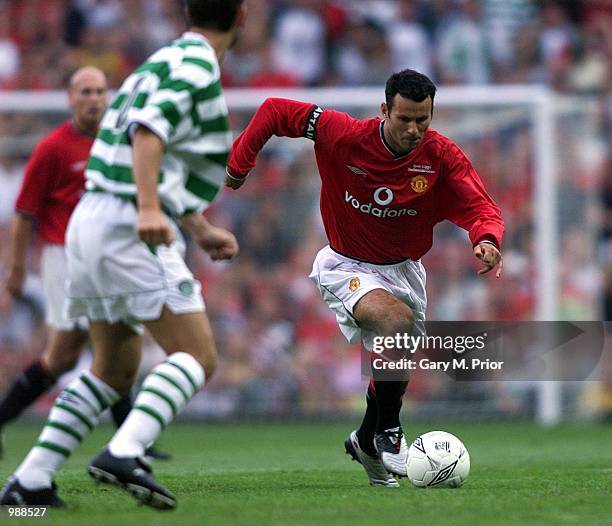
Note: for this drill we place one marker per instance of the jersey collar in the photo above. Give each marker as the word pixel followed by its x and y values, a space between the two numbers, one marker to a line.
pixel 193 36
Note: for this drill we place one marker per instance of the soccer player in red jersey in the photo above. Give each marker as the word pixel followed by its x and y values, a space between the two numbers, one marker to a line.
pixel 53 184
pixel 385 184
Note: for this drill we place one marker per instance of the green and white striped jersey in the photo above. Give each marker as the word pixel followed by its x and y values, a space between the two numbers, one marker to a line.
pixel 177 94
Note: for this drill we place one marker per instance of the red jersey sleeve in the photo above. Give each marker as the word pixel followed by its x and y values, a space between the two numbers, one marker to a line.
pixel 467 204
pixel 283 118
pixel 39 172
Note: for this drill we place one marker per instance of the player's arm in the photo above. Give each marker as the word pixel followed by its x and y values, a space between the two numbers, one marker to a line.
pixel 218 242
pixel 34 190
pixel 151 129
pixel 280 117
pixel 21 234
pixel 472 208
pixel 147 151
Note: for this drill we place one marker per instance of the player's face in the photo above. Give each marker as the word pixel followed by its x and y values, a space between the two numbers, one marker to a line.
pixel 88 97
pixel 406 123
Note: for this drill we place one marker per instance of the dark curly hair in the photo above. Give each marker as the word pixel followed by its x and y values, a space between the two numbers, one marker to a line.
pixel 218 15
pixel 411 85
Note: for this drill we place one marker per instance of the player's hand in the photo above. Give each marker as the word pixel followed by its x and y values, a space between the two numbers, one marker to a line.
pixel 13 284
pixel 153 228
pixel 218 242
pixel 490 256
pixel 232 181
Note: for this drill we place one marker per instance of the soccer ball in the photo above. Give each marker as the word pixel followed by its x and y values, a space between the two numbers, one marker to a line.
pixel 438 460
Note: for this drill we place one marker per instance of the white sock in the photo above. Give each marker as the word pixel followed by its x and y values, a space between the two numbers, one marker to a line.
pixel 74 414
pixel 164 394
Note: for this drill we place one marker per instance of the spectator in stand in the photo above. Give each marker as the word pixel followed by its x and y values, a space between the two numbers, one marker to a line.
pixel 299 42
pixel 557 37
pixel 408 41
pixel 364 57
pixel 462 48
pixel 11 170
pixel 104 14
pixel 591 59
pixel 527 67
pixel 164 20
pixel 9 51
pixel 250 65
pixel 104 50
pixel 503 22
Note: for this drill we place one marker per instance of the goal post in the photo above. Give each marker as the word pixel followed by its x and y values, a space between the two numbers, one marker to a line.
pixel 539 103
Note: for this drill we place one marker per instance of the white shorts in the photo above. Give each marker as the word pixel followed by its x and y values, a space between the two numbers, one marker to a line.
pixel 343 282
pixel 53 273
pixel 114 276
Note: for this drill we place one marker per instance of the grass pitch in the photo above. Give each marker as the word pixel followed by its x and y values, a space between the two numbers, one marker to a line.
pixel 298 474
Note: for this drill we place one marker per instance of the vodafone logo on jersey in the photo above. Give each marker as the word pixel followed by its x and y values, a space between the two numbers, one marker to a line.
pixel 383 196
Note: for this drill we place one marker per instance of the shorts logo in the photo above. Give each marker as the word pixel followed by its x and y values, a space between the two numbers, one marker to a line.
pixel 186 288
pixel 354 284
pixel 419 183
pixel 383 196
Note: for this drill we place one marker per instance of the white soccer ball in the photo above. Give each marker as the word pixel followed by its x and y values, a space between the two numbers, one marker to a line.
pixel 438 460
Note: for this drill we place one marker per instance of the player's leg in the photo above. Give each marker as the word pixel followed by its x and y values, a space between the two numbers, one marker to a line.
pixel 76 412
pixel 360 445
pixel 60 355
pixel 381 313
pixel 343 284
pixel 192 358
pixel 63 351
pixel 65 340
pixel 119 413
pixel 365 433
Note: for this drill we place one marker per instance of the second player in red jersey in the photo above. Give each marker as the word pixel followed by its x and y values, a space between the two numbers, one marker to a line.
pixel 53 180
pixel 53 183
pixel 385 184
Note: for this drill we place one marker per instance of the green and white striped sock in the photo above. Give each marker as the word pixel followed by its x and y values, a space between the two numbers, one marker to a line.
pixel 74 414
pixel 164 394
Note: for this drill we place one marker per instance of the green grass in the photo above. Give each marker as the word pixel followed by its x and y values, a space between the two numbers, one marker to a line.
pixel 298 474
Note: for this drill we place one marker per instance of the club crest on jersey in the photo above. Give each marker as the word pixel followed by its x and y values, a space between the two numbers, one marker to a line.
pixel 419 183
pixel 354 284
pixel 186 288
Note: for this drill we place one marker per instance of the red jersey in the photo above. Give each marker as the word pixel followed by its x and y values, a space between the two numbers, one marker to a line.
pixel 376 206
pixel 54 180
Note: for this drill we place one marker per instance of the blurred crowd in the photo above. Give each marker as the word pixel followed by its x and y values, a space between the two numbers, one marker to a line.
pixel 567 44
pixel 281 350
